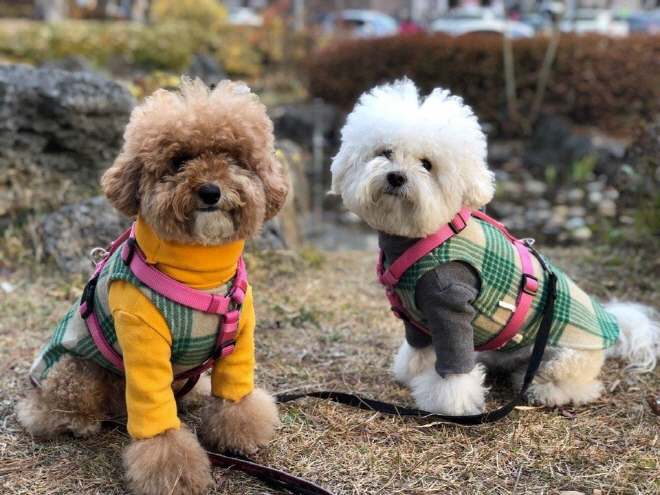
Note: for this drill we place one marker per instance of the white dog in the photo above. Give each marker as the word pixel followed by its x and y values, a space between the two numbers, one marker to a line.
pixel 407 166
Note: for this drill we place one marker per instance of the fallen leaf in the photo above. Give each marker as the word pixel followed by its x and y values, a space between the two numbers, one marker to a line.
pixel 653 400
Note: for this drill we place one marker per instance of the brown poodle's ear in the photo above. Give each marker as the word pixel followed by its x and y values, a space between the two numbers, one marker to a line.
pixel 275 179
pixel 121 184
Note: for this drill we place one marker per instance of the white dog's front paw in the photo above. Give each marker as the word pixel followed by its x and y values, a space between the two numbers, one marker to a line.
pixel 455 395
pixel 410 362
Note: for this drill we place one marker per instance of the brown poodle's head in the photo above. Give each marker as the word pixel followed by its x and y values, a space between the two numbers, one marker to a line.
pixel 199 165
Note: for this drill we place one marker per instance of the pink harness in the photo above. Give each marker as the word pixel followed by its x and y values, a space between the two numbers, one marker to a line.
pixel 528 287
pixel 217 304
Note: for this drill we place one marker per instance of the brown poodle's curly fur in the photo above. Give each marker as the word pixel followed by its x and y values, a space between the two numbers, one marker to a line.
pixel 172 462
pixel 230 426
pixel 176 143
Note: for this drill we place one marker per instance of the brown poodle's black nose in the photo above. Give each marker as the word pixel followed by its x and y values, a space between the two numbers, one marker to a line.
pixel 209 194
pixel 396 179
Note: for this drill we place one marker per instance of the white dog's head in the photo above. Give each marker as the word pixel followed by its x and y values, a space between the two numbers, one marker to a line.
pixel 407 165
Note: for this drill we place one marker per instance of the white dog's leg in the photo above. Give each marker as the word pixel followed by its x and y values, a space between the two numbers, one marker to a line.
pixel 565 376
pixel 457 395
pixel 410 362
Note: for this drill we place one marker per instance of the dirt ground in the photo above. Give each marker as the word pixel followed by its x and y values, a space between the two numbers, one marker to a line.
pixel 323 324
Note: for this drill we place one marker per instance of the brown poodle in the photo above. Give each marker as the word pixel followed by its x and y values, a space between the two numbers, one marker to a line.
pixel 198 170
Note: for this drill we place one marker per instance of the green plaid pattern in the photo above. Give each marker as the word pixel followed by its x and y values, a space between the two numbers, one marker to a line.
pixel 194 333
pixel 579 321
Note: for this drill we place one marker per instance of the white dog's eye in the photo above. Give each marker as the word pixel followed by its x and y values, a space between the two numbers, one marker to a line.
pixel 386 154
pixel 426 164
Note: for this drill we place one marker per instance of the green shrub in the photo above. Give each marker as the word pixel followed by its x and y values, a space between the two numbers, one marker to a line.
pixel 595 80
pixel 204 14
pixel 243 52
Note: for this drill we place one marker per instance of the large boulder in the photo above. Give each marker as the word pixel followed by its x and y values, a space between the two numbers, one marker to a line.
pixel 59 131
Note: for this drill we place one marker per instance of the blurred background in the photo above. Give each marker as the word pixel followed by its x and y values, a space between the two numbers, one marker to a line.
pixel 568 93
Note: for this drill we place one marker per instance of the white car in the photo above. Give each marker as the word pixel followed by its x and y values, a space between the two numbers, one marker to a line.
pixel 473 19
pixel 244 16
pixel 593 21
pixel 357 23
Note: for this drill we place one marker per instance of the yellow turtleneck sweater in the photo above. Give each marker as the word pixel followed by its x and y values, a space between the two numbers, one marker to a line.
pixel 146 340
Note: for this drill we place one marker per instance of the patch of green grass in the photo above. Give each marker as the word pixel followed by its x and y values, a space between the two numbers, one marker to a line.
pixel 584 168
pixel 312 257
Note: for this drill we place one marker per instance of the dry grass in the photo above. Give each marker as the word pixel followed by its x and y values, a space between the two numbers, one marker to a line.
pixel 324 324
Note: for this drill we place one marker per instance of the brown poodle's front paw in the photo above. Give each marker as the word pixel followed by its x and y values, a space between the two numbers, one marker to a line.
pixel 171 463
pixel 240 426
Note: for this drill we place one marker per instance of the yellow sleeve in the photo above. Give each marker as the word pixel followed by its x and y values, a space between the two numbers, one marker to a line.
pixel 146 345
pixel 233 375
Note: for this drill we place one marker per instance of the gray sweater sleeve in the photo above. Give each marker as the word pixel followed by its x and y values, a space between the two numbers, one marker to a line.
pixel 445 296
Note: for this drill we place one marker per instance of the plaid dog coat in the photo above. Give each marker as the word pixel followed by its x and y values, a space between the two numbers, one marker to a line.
pixel 194 333
pixel 579 322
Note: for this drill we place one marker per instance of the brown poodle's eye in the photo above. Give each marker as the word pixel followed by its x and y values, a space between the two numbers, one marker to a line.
pixel 179 161
pixel 386 154
pixel 426 164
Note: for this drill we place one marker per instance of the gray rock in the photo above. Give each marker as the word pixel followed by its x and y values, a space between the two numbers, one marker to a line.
pixel 607 208
pixel 296 122
pixel 208 69
pixel 59 131
pixel 581 234
pixel 70 233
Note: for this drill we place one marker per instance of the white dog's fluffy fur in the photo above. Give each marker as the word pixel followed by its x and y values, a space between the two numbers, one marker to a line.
pixel 390 131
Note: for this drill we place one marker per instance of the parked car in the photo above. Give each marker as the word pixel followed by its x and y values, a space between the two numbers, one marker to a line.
pixel 473 19
pixel 601 21
pixel 360 23
pixel 244 16
pixel 644 21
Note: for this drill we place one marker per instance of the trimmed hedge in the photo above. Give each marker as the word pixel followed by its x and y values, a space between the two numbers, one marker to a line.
pixel 595 80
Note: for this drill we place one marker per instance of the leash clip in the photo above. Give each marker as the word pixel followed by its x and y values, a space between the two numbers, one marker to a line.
pixel 97 255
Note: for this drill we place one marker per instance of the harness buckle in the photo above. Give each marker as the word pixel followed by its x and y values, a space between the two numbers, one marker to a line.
pixel 218 352
pixel 87 298
pixel 455 226
pixel 130 246
pixel 530 284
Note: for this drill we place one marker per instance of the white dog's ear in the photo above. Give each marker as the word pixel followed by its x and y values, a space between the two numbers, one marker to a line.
pixel 479 186
pixel 338 171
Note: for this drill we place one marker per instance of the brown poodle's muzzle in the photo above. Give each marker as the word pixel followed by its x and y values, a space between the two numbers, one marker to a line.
pixel 209 194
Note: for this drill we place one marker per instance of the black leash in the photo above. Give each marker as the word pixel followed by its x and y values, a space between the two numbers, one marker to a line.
pixel 282 480
pixel 271 476
pixel 477 419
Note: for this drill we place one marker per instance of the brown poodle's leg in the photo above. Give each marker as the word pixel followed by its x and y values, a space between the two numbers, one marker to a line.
pixel 76 397
pixel 172 463
pixel 239 426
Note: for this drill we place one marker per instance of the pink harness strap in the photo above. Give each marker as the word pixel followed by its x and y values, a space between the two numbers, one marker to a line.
pixel 134 258
pixel 528 289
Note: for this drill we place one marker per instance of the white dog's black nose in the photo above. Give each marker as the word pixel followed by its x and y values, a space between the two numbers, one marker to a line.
pixel 396 179
pixel 209 194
